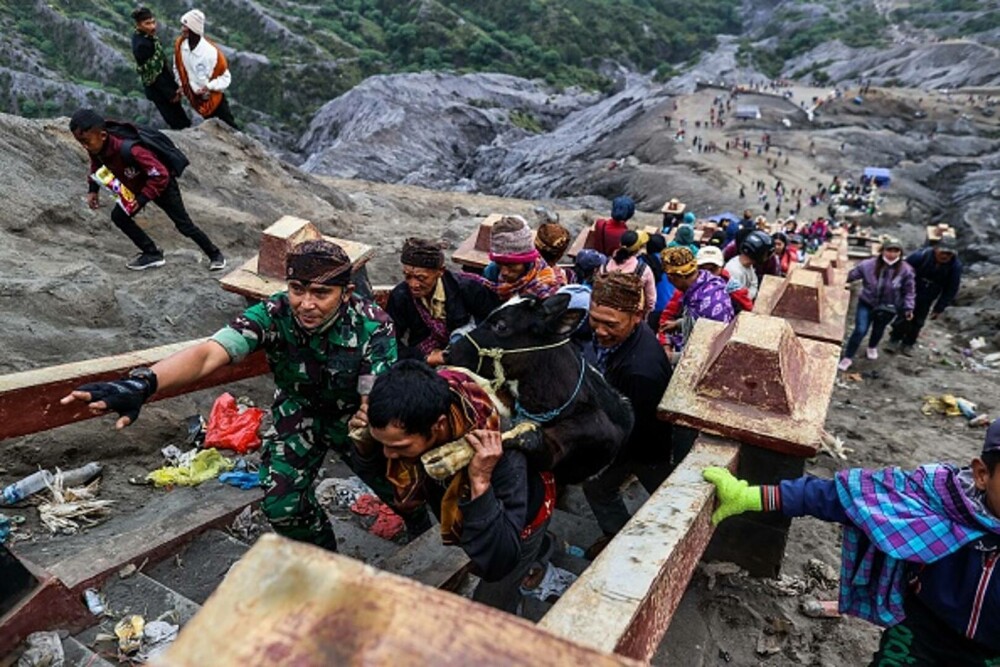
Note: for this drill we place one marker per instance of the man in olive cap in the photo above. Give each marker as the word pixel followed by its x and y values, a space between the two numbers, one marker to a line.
pixel 627 354
pixel 325 346
pixel 432 303
pixel 938 277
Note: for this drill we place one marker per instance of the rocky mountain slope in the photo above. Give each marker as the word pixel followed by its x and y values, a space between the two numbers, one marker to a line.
pixel 66 295
pixel 291 57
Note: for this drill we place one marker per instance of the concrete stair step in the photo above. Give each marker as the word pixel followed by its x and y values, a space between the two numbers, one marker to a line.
pixel 78 655
pixel 142 595
pixel 199 568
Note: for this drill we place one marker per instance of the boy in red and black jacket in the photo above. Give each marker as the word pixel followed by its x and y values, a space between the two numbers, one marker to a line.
pixel 148 179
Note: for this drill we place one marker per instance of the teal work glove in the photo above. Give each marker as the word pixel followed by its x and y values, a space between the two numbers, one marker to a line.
pixel 735 495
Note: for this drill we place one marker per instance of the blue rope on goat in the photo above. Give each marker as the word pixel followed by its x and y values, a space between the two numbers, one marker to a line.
pixel 549 415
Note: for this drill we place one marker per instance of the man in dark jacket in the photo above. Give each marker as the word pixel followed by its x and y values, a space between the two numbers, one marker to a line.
pixel 938 276
pixel 432 302
pixel 497 508
pixel 155 70
pixel 140 178
pixel 920 554
pixel 626 351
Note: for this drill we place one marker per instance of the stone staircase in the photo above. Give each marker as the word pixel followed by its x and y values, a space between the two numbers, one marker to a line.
pixel 175 588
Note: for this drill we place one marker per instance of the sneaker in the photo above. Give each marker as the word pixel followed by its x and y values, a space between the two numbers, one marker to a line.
pixel 872 353
pixel 145 260
pixel 217 263
pixel 907 350
pixel 844 364
pixel 892 347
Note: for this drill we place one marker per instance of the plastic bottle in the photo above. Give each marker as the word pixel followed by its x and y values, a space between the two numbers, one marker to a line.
pixel 37 481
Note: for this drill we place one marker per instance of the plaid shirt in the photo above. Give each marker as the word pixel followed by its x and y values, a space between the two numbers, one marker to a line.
pixel 898 517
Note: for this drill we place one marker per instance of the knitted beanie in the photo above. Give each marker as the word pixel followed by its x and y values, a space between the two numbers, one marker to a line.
pixel 422 253
pixel 552 240
pixel 621 291
pixel 194 21
pixel 511 241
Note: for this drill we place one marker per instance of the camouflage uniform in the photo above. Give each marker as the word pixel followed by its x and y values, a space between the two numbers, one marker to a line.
pixel 319 378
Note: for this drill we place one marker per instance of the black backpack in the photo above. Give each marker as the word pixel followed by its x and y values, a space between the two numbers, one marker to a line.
pixel 172 157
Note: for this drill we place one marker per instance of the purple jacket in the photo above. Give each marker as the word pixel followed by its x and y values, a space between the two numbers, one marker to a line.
pixel 707 297
pixel 896 285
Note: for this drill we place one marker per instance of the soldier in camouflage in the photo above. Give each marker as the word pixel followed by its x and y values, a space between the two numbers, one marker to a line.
pixel 324 345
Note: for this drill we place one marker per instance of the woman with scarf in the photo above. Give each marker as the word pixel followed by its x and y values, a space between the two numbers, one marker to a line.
pixel 520 271
pixel 920 554
pixel 626 259
pixel 704 295
pixel 888 289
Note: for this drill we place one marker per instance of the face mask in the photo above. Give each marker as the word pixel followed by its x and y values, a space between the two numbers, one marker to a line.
pixel 890 262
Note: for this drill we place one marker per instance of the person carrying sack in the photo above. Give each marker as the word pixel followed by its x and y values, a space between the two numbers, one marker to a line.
pixel 201 70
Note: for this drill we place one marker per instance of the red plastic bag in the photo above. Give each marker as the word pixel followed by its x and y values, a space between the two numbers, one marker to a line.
pixel 228 428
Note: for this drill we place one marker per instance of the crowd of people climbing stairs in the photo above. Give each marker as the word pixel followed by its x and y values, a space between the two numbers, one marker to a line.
pixel 376 385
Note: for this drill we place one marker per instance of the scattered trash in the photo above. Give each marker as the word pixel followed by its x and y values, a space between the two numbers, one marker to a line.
pixel 94 602
pixel 387 523
pixel 172 454
pixel 195 430
pixel 127 571
pixel 71 507
pixel 574 551
pixel 8 524
pixel 129 633
pixel 992 359
pixel 946 404
pixel 241 480
pixel 772 636
pixel 980 420
pixel 819 608
pixel 156 637
pixel 44 650
pixel 193 470
pixel 977 343
pixel 554 583
pixel 233 426
pixel 43 479
pixel 247 526
pixel 833 446
pixel 719 569
pixel 344 492
pixel 855 377
pixel 824 574
pixel 790 585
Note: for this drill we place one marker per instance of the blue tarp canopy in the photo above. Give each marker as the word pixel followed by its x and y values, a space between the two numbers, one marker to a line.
pixel 879 175
pixel 728 215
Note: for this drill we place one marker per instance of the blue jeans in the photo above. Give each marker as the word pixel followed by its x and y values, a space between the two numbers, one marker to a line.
pixel 863 321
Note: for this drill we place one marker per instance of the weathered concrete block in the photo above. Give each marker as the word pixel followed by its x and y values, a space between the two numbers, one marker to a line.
pixel 814 310
pixel 583 240
pixel 474 251
pixel 832 276
pixel 278 239
pixel 936 232
pixel 755 381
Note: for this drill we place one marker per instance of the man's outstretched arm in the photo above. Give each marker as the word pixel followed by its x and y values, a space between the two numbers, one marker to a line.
pixel 127 395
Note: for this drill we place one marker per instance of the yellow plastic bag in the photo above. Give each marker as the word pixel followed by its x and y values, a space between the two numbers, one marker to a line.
pixel 948 405
pixel 203 466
